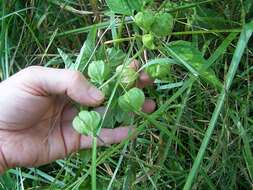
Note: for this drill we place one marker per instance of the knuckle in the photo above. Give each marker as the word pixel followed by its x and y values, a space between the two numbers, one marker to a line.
pixel 31 70
pixel 76 76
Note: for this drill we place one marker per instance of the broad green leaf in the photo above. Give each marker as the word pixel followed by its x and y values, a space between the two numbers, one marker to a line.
pixel 116 56
pixel 186 53
pixel 125 7
pixel 210 18
pixel 86 51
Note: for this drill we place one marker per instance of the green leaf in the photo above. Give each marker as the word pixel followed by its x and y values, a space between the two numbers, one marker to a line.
pixel 210 19
pixel 125 7
pixel 247 152
pixel 86 51
pixel 187 54
pixel 115 56
pixel 66 59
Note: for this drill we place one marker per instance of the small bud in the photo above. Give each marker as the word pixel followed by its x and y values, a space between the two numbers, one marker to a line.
pixel 132 100
pixel 87 123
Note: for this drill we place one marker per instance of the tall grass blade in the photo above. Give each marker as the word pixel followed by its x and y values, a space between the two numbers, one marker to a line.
pixel 242 43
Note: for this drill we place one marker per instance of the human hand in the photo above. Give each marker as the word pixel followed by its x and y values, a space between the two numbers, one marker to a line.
pixel 36 116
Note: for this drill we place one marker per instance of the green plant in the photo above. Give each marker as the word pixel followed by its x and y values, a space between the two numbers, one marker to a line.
pixel 199 137
pixel 132 100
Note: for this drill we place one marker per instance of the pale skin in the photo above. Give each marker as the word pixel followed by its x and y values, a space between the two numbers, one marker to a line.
pixel 36 116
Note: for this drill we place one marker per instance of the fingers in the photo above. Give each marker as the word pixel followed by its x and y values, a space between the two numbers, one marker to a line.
pixel 62 81
pixel 67 140
pixel 64 140
pixel 144 80
pixel 149 106
pixel 135 65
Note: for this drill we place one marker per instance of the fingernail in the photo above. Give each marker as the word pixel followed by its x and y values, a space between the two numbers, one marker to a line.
pixel 95 93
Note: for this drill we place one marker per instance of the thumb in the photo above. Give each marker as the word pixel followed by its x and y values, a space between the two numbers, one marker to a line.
pixel 50 81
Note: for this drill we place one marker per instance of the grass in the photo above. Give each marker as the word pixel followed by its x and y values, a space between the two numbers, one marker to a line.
pixel 199 137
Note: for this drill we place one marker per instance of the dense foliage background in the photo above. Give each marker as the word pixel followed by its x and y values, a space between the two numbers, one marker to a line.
pixel 162 156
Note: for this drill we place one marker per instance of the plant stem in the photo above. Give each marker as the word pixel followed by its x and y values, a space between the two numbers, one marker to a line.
pixel 93 164
pixel 237 30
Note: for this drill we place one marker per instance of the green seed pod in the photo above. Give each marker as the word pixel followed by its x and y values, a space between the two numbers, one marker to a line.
pixel 158 71
pixel 98 71
pixel 86 122
pixel 144 20
pixel 132 100
pixel 128 76
pixel 148 41
pixel 163 24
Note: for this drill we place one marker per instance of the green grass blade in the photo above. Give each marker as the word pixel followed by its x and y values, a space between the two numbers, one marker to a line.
pixel 242 43
pixel 247 152
pixel 93 164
